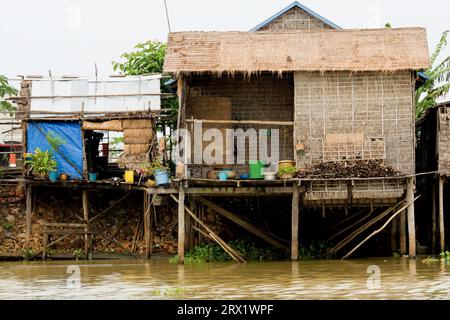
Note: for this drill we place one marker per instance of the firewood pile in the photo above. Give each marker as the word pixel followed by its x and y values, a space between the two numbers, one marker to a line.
pixel 348 169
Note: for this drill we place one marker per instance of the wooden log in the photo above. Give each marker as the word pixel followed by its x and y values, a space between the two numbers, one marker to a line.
pixel 343 230
pixel 44 245
pixel 236 256
pixel 408 205
pixel 433 216
pixel 441 214
pixel 29 204
pixel 85 200
pixel 411 218
pixel 242 223
pixel 294 223
pixel 393 240
pixel 181 225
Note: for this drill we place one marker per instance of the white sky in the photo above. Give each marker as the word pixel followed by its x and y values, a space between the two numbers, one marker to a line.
pixel 69 36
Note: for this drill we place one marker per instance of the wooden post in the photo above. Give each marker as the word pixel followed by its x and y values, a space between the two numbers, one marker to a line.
pixel 411 218
pixel 29 205
pixel 394 228
pixel 402 227
pixel 148 225
pixel 441 214
pixel 181 225
pixel 294 227
pixel 85 200
pixel 433 217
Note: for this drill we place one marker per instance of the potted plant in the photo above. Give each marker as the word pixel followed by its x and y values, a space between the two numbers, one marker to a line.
pixel 42 163
pixel 160 172
pixel 287 172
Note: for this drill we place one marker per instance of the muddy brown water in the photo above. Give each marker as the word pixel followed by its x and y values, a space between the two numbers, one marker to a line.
pixel 388 278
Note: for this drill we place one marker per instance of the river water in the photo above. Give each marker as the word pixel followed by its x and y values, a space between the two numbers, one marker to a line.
pixel 388 278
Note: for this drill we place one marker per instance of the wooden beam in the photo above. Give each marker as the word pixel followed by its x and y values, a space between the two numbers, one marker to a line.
pixel 148 225
pixel 258 122
pixel 244 224
pixel 181 225
pixel 85 200
pixel 441 214
pixel 29 204
pixel 294 222
pixel 409 204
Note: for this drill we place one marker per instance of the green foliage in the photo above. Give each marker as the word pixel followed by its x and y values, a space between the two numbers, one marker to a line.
pixel 7 226
pixel 77 254
pixel 5 91
pixel 115 143
pixel 445 255
pixel 27 254
pixel 41 162
pixel 148 168
pixel 388 25
pixel 438 85
pixel 55 140
pixel 314 250
pixel 212 252
pixel 287 170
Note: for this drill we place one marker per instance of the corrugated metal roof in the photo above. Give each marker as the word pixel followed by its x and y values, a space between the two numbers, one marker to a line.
pixel 291 6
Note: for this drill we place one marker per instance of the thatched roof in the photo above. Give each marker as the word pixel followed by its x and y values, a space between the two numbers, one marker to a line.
pixel 335 50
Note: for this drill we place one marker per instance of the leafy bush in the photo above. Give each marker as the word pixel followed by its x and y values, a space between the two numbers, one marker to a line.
pixel 41 162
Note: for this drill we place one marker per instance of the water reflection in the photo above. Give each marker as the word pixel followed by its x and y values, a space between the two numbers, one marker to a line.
pixel 393 278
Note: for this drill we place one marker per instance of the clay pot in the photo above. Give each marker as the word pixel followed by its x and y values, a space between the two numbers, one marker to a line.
pixel 285 164
pixel 211 174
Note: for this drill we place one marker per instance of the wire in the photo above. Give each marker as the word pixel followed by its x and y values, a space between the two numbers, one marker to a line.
pixel 167 16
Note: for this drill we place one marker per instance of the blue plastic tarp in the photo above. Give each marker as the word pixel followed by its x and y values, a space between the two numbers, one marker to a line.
pixel 72 147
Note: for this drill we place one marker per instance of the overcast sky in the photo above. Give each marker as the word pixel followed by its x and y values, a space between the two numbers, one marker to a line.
pixel 69 36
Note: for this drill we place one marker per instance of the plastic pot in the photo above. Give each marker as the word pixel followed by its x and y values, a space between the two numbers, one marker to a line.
pixel 53 176
pixel 161 177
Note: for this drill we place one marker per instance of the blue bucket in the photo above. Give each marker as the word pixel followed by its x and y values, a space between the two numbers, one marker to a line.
pixel 92 176
pixel 223 175
pixel 53 176
pixel 161 177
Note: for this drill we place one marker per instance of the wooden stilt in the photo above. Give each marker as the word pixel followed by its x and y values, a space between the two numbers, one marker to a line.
pixel 394 228
pixel 411 219
pixel 433 217
pixel 181 225
pixel 29 205
pixel 402 227
pixel 441 214
pixel 150 221
pixel 187 243
pixel 295 220
pixel 147 224
pixel 85 200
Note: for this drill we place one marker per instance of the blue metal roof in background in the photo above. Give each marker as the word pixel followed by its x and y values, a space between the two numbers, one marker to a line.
pixel 289 7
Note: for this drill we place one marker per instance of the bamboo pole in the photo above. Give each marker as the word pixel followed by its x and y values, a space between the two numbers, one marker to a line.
pixel 294 222
pixel 441 214
pixel 408 205
pixel 411 219
pixel 402 227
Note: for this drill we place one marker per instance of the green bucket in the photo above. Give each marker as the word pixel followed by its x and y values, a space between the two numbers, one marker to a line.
pixel 256 168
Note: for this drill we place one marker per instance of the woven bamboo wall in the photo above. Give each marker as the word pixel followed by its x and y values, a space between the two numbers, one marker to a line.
pixel 377 105
pixel 295 19
pixel 443 115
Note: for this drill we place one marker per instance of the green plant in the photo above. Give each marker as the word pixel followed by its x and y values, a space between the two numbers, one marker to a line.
pixel 445 255
pixel 27 254
pixel 148 168
pixel 5 91
pixel 55 140
pixel 77 254
pixel 287 170
pixel 41 162
pixel 438 84
pixel 7 226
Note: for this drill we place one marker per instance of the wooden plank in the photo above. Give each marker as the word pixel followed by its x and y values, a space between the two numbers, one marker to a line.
pixel 441 214
pixel 28 209
pixel 408 205
pixel 295 220
pixel 242 223
pixel 85 200
pixel 181 225
pixel 147 225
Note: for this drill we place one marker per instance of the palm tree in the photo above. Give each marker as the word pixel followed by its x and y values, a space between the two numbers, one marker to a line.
pixel 438 83
pixel 5 91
